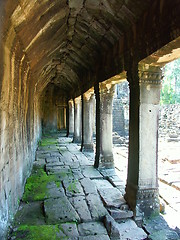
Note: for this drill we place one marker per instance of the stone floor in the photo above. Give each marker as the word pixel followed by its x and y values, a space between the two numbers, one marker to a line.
pixel 66 198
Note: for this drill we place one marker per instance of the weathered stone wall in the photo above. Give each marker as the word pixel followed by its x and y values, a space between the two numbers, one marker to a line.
pixel 118 117
pixel 121 109
pixel 169 120
pixel 20 126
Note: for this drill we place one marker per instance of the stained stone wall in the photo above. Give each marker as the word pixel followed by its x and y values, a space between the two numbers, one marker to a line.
pixel 20 126
pixel 169 120
pixel 121 109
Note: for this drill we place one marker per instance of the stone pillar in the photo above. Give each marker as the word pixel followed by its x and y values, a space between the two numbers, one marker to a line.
pixel 106 144
pixel 77 120
pixel 88 121
pixel 142 181
pixel 71 117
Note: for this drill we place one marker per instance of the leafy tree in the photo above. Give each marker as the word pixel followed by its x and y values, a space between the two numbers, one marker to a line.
pixel 170 93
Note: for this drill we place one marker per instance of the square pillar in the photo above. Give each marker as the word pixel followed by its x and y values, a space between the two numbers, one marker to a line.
pixel 88 108
pixel 142 181
pixel 77 120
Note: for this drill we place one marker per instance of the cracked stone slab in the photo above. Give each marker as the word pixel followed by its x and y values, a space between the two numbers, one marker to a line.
pixel 59 211
pixel 92 228
pixel 97 210
pixel 91 172
pixel 111 197
pixel 80 205
pixel 88 186
pixel 73 188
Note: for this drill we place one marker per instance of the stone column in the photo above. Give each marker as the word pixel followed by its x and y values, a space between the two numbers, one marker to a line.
pixel 142 182
pixel 71 117
pixel 106 144
pixel 88 121
pixel 77 120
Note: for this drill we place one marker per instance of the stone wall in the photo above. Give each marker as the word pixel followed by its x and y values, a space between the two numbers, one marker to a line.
pixel 20 126
pixel 121 109
pixel 169 120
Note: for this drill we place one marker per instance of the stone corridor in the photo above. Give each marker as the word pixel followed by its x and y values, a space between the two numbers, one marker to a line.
pixel 67 198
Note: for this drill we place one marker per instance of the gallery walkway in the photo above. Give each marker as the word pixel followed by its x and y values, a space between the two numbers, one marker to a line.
pixel 66 198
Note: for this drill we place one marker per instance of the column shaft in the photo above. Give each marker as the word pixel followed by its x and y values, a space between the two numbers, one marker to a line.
pixel 77 120
pixel 88 122
pixel 106 153
pixel 71 117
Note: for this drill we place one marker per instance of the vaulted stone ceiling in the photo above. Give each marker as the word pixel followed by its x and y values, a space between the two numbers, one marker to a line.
pixel 64 39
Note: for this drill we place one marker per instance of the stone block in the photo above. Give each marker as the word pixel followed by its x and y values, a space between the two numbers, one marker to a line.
pixel 112 227
pixel 88 186
pixel 59 211
pixel 118 214
pixel 92 228
pixel 96 207
pixel 73 188
pixel 91 172
pixel 80 205
pixel 70 230
pixel 111 197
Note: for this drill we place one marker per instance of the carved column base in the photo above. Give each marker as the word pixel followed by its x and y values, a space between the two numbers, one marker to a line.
pixel 77 140
pixel 106 161
pixel 143 201
pixel 88 147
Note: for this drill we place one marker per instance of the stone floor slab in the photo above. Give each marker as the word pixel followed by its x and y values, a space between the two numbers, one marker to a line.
pixel 80 205
pixel 90 172
pixel 59 211
pixel 88 186
pixel 70 230
pixel 73 188
pixel 92 228
pixel 96 207
pixel 111 197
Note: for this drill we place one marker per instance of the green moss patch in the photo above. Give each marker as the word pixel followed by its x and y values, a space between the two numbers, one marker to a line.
pixel 47 142
pixel 44 232
pixel 36 185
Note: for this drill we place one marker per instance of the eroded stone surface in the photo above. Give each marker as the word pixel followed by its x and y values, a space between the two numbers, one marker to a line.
pixel 59 210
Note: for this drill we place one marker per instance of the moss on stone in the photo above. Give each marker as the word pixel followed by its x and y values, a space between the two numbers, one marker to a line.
pixel 36 185
pixel 42 232
pixel 47 141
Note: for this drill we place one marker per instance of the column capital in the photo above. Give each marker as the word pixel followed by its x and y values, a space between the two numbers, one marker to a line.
pixel 77 100
pixel 107 88
pixel 149 74
pixel 87 95
pixel 71 102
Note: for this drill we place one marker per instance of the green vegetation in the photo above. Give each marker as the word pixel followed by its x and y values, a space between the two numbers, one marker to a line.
pixel 170 93
pixel 45 141
pixel 36 185
pixel 72 187
pixel 41 232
